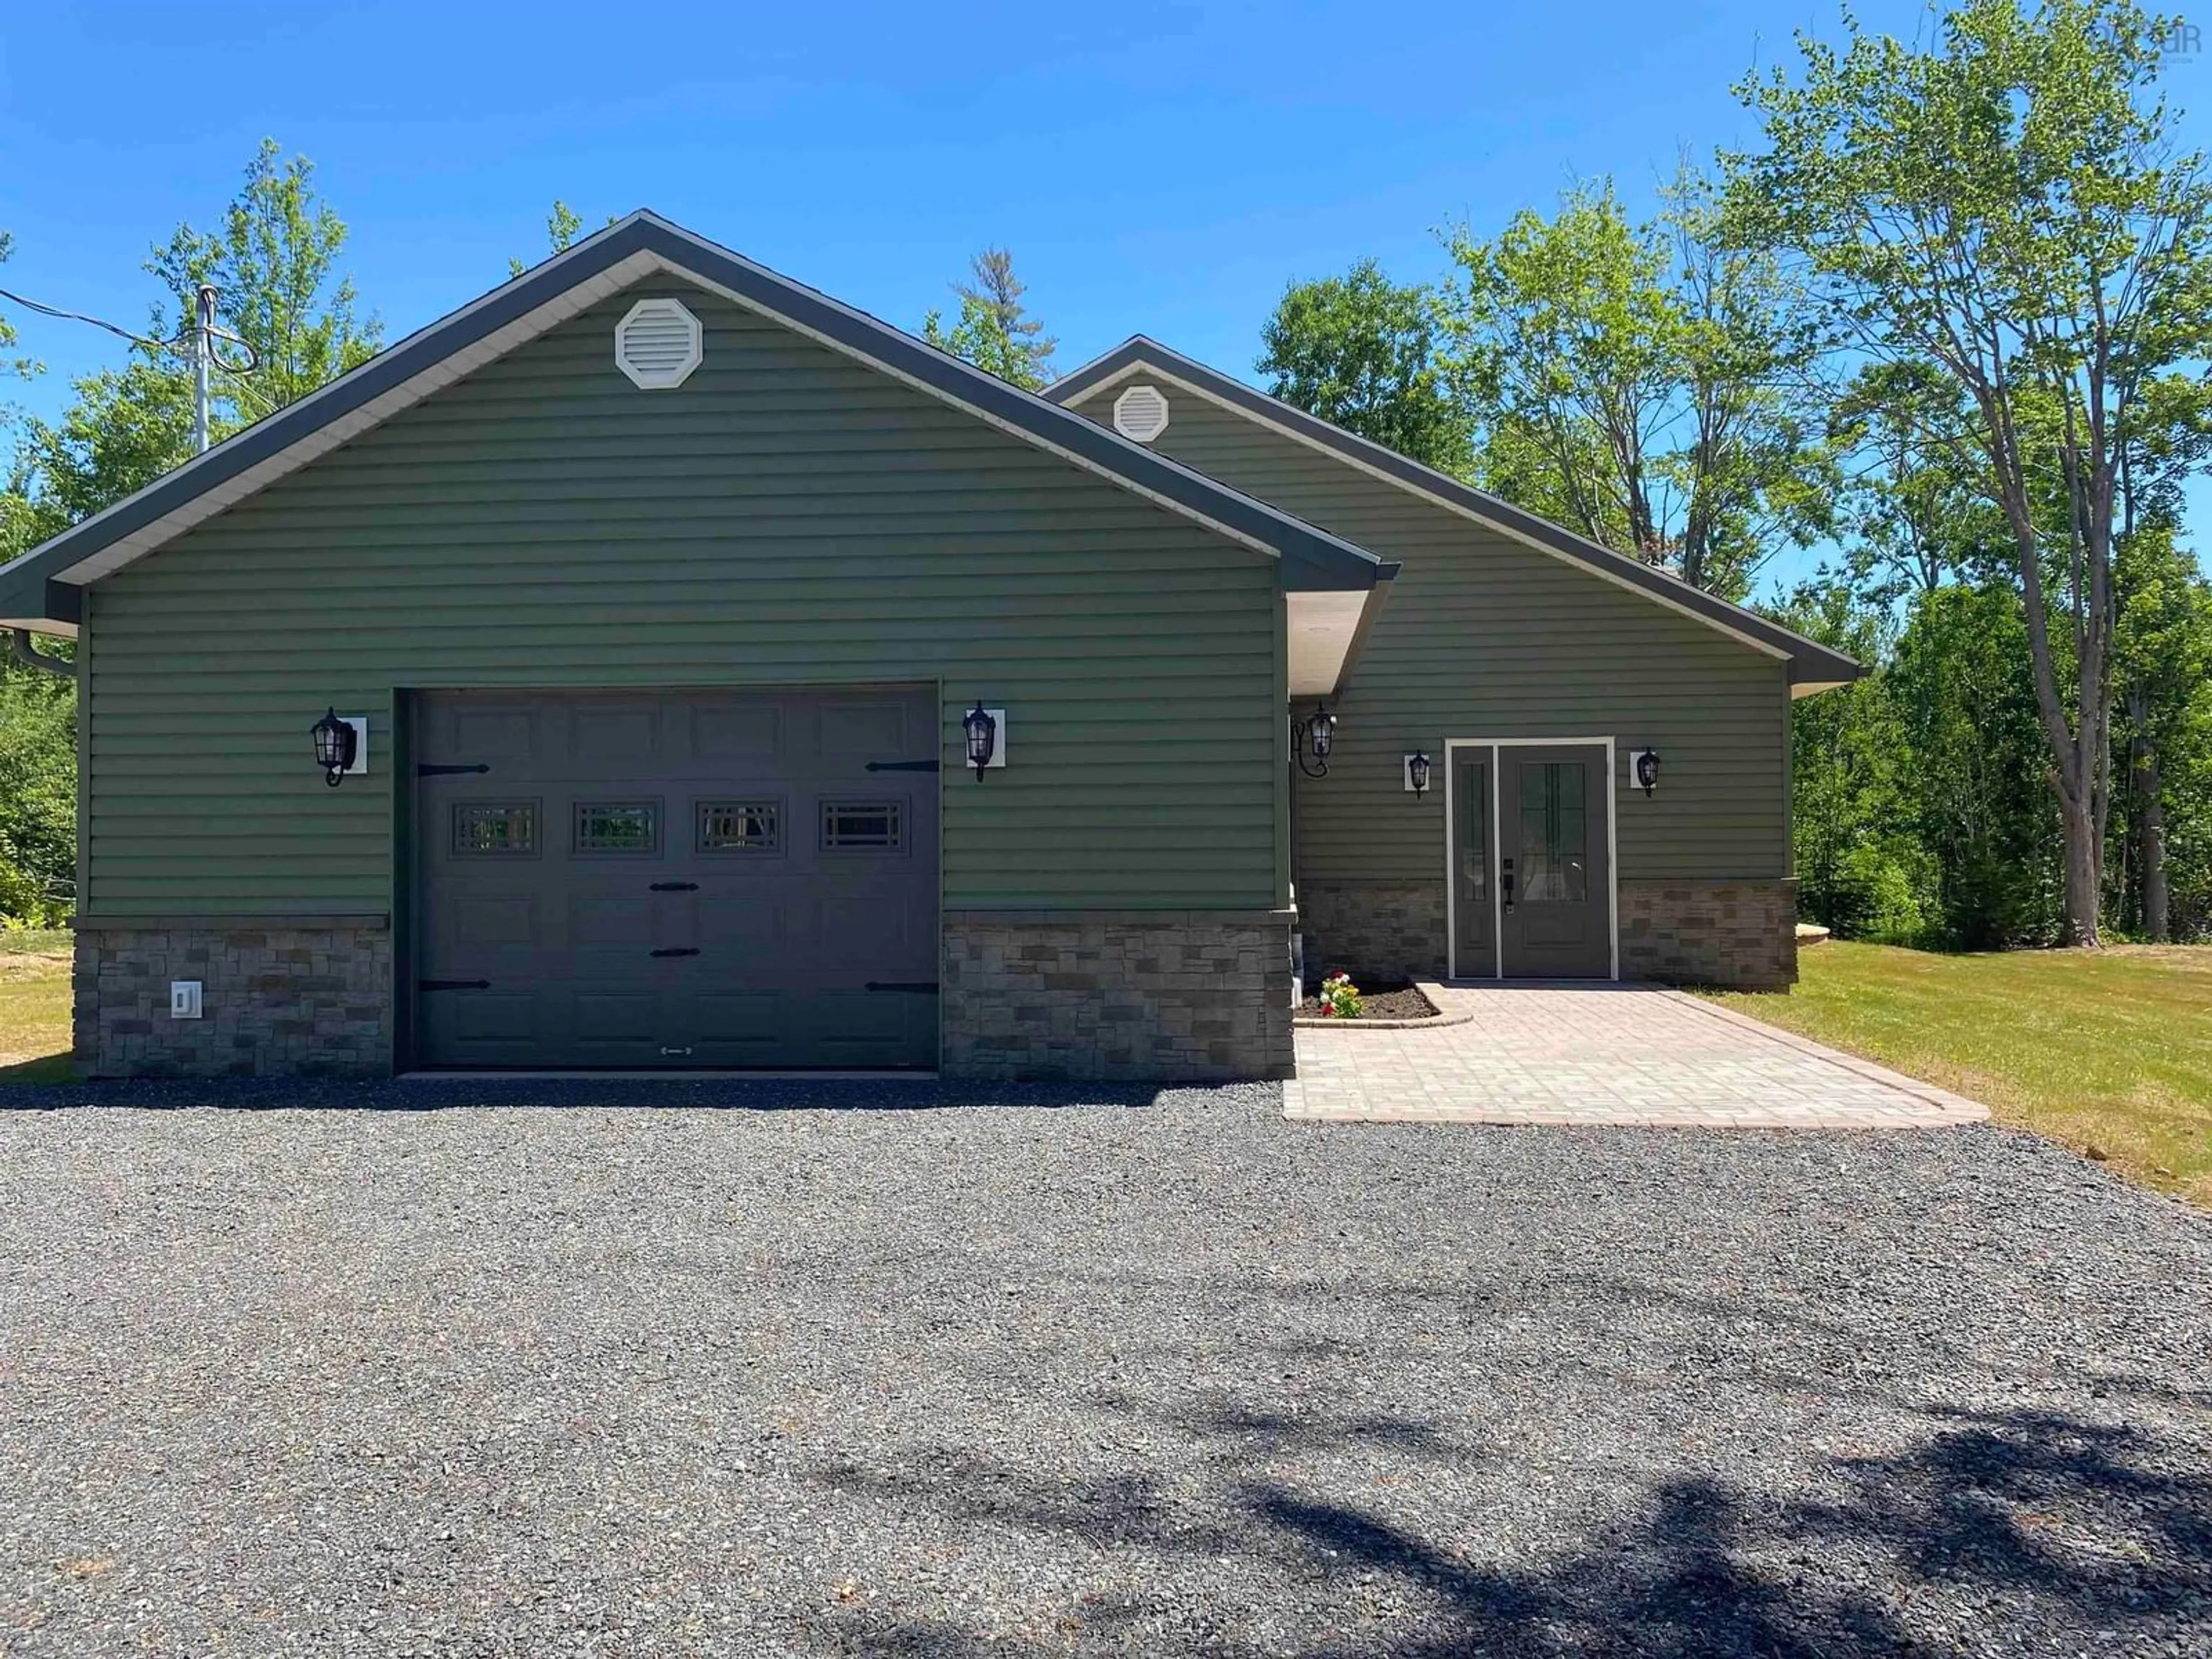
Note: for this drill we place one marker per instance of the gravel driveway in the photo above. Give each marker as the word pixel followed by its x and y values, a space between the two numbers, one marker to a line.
pixel 1124 1376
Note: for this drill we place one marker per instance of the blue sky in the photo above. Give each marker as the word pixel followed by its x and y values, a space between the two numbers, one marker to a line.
pixel 1161 168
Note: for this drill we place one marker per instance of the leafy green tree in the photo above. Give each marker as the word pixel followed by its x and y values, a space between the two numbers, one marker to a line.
pixel 1363 351
pixel 561 226
pixel 17 366
pixel 1862 869
pixel 2162 650
pixel 125 428
pixel 1974 787
pixel 1648 384
pixel 1911 515
pixel 2009 205
pixel 995 331
pixel 37 797
pixel 274 266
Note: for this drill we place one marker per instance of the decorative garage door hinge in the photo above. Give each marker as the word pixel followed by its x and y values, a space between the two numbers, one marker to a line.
pixel 678 951
pixel 903 765
pixel 452 985
pixel 926 986
pixel 430 771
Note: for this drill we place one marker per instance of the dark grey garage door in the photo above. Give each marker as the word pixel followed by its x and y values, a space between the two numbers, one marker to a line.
pixel 676 878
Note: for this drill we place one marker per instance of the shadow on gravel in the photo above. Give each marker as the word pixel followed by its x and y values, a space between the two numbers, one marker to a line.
pixel 2007 1524
pixel 459 1091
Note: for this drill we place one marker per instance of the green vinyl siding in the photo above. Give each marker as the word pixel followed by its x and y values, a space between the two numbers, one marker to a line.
pixel 786 517
pixel 1484 636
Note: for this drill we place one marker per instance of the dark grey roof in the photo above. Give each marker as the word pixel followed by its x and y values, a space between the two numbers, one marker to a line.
pixel 1810 662
pixel 1312 558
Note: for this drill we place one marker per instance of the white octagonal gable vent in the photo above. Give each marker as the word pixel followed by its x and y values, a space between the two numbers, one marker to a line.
pixel 658 343
pixel 1141 413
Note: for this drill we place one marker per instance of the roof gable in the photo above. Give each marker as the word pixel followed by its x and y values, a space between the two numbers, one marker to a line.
pixel 1813 666
pixel 41 589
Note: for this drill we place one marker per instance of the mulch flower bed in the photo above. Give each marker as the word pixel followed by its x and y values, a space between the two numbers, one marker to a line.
pixel 1383 1000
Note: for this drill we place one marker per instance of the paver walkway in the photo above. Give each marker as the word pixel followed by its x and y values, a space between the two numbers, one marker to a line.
pixel 1601 1055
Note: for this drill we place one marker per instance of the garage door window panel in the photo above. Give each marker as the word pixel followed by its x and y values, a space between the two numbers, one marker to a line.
pixel 622 827
pixel 754 826
pixel 504 829
pixel 864 826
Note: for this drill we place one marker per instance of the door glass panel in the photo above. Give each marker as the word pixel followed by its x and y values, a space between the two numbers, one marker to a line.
pixel 873 825
pixel 740 826
pixel 505 826
pixel 1471 820
pixel 1554 832
pixel 616 826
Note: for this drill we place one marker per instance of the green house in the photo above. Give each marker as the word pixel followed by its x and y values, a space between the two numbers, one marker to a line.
pixel 656 664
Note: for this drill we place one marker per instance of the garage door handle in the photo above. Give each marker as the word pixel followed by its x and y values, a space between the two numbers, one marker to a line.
pixel 452 985
pixel 926 986
pixel 679 950
pixel 676 887
pixel 905 766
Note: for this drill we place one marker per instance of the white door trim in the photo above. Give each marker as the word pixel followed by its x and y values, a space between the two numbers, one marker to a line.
pixel 1496 847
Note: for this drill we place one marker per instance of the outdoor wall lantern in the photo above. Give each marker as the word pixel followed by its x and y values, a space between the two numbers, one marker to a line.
pixel 1316 737
pixel 983 731
pixel 1644 767
pixel 1417 773
pixel 336 747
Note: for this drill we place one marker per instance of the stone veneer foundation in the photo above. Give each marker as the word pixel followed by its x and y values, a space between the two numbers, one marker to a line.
pixel 1740 934
pixel 1387 929
pixel 1130 995
pixel 292 997
pixel 1152 996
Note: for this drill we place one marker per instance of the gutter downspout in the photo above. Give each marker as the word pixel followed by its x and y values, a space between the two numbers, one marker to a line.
pixel 24 652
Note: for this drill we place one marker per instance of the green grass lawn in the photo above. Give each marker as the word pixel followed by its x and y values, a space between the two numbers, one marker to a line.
pixel 2110 1049
pixel 34 1007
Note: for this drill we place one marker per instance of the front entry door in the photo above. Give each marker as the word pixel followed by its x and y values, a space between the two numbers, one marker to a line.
pixel 1474 858
pixel 1555 884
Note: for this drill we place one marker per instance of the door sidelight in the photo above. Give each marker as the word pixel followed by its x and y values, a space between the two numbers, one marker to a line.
pixel 1506 882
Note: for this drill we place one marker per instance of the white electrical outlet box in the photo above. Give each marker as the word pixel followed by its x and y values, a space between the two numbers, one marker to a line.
pixel 184 999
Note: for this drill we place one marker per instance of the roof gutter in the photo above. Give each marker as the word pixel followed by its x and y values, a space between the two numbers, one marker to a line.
pixel 20 648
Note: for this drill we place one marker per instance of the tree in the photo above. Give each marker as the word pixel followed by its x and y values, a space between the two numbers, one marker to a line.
pixel 1862 868
pixel 2162 658
pixel 125 428
pixel 22 367
pixel 1647 384
pixel 1362 351
pixel 561 227
pixel 38 796
pixel 1911 515
pixel 1973 784
pixel 2009 206
pixel 995 331
pixel 273 264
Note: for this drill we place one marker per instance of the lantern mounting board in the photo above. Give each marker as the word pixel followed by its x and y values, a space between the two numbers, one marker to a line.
pixel 360 724
pixel 998 751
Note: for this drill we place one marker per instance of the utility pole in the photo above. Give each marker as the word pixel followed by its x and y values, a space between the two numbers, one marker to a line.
pixel 202 355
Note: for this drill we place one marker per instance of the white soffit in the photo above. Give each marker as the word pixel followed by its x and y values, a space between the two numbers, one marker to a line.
pixel 1321 627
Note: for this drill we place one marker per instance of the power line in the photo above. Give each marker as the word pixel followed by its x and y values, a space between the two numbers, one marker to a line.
pixel 253 356
pixel 45 310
